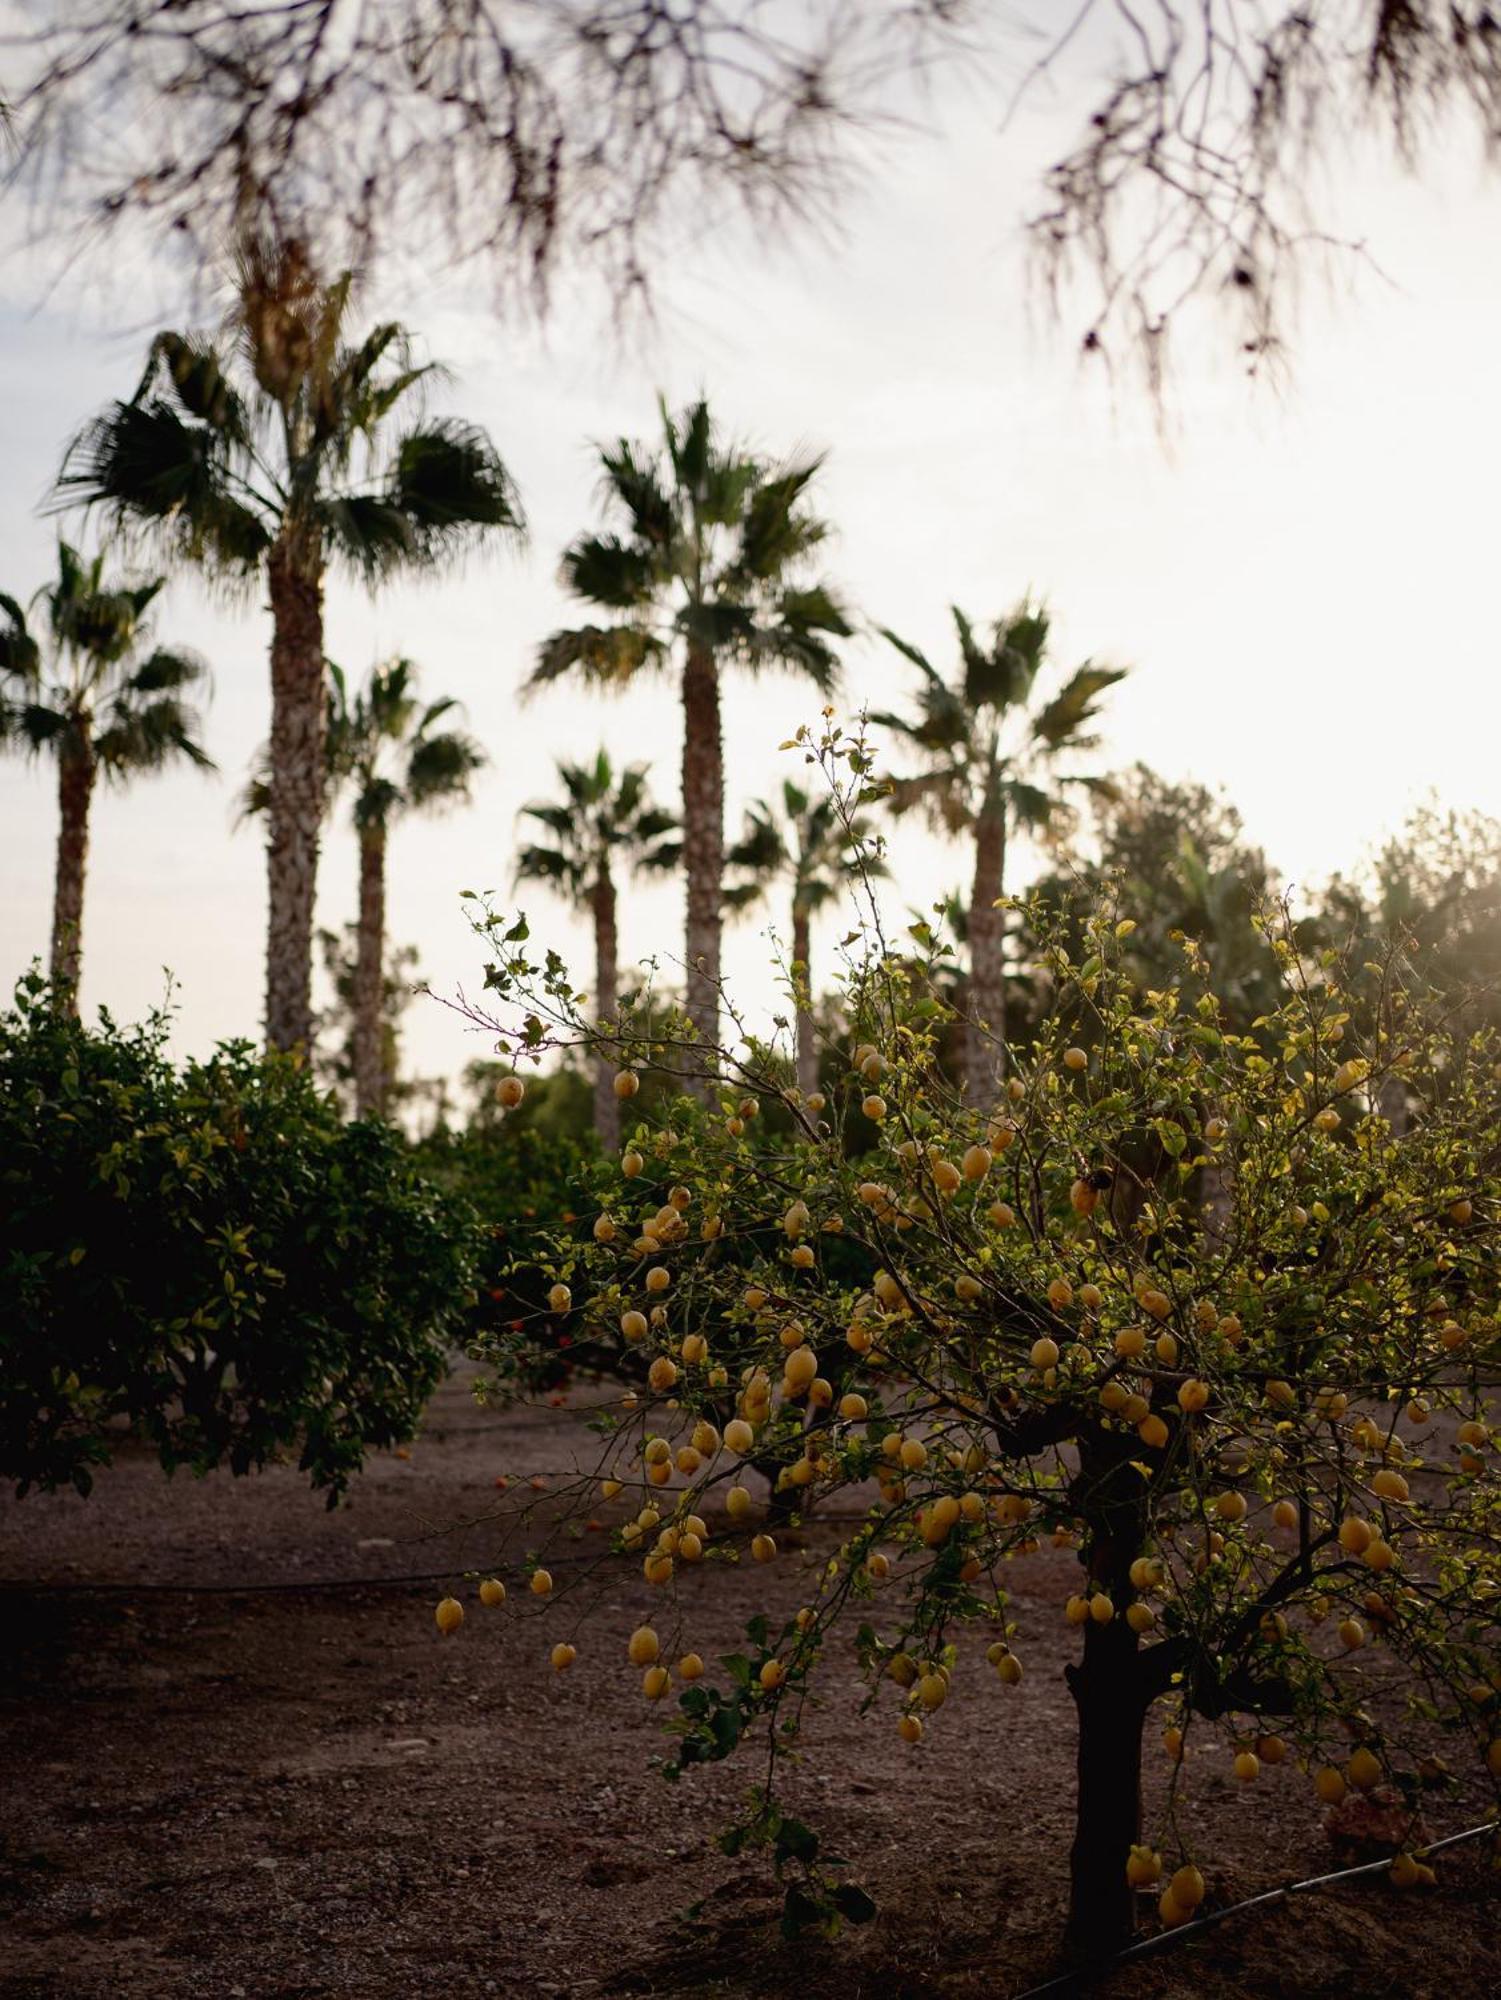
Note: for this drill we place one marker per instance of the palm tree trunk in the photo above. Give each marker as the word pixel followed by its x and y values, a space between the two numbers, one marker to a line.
pixel 703 848
pixel 1392 1103
pixel 76 769
pixel 1217 1202
pixel 606 1001
pixel 985 1062
pixel 295 575
pixel 807 1050
pixel 370 1080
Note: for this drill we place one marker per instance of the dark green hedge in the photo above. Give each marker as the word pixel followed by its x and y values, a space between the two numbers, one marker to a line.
pixel 208 1257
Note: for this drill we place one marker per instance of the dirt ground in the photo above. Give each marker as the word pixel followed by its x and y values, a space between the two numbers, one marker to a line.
pixel 294 1793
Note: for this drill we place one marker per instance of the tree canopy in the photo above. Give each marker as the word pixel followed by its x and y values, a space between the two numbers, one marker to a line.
pixel 506 129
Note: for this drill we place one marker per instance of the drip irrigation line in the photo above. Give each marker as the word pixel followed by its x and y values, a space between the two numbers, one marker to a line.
pixel 453 1573
pixel 41 1586
pixel 227 1591
pixel 1169 1940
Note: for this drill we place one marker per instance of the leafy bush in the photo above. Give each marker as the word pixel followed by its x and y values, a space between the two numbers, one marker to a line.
pixel 209 1258
pixel 529 1188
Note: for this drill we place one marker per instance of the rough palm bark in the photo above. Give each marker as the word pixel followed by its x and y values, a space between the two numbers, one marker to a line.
pixel 807 1048
pixel 1217 1201
pixel 76 771
pixel 703 851
pixel 1393 1104
pixel 370 1080
pixel 298 722
pixel 606 1001
pixel 985 1062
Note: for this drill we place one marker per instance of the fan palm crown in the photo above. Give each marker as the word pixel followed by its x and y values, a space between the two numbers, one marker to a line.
pixel 396 755
pixel 707 563
pixel 91 690
pixel 806 843
pixel 994 759
pixel 602 821
pixel 283 448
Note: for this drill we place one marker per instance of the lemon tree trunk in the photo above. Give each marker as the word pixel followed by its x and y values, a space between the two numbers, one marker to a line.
pixel 985 1062
pixel 76 771
pixel 606 1003
pixel 1111 1695
pixel 1111 1713
pixel 703 849
pixel 370 1079
pixel 295 578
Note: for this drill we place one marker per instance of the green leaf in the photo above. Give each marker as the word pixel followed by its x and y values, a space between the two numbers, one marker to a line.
pixel 852 1903
pixel 800 1911
pixel 1173 1137
pixel 795 1841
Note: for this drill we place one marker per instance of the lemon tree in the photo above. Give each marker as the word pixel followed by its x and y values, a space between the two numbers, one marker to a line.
pixel 1195 1303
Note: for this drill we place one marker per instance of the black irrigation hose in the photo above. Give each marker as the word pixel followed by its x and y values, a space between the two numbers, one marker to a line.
pixel 1169 1940
pixel 41 1587
pixel 454 1571
pixel 21 1586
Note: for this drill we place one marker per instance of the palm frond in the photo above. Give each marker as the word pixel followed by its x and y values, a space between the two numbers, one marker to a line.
pixel 451 484
pixel 376 800
pixel 997 678
pixel 195 372
pixel 558 819
pixel 254 800
pixel 908 651
pixel 604 570
pixel 20 654
pixel 550 865
pixel 775 534
pixel 609 656
pixel 1031 806
pixel 632 484
pixel 164 670
pixel 435 711
pixel 941 793
pixel 368 532
pixel 1061 723
pixel 348 399
pixel 144 736
pixel 141 464
pixel 761 849
pixel 660 855
pixel 36 726
pixel 440 767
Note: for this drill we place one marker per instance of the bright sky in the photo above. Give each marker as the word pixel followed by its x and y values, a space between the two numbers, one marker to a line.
pixel 1303 586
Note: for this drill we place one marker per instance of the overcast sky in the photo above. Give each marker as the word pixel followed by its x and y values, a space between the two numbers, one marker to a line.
pixel 1303 586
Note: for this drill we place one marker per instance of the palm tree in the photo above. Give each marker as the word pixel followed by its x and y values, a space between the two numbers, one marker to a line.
pixel 387 747
pixel 805 839
pixel 104 703
pixel 602 821
pixel 994 764
pixel 272 454
pixel 710 566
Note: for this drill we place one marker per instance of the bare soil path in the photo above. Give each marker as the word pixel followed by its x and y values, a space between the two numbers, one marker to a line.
pixel 288 1794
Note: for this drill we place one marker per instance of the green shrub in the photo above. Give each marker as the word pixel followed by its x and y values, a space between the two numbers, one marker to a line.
pixel 529 1188
pixel 209 1258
